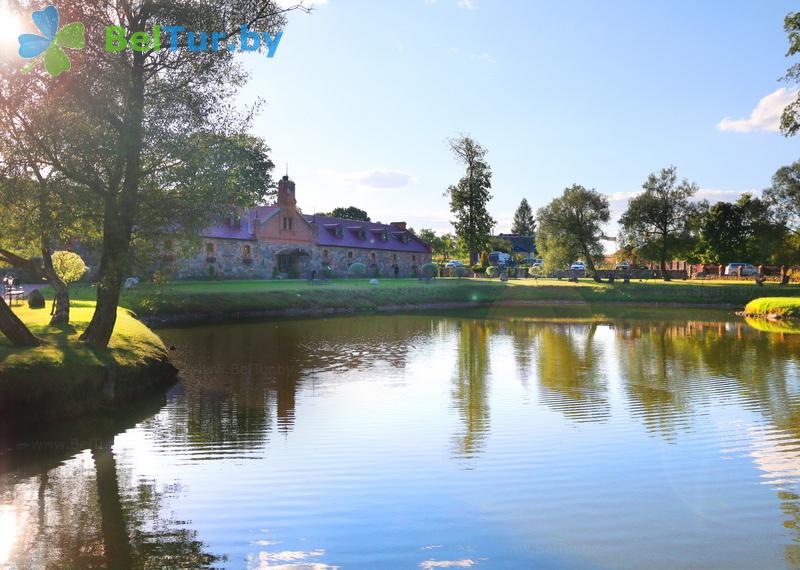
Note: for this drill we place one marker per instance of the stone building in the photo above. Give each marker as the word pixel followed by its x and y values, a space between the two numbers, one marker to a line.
pixel 280 241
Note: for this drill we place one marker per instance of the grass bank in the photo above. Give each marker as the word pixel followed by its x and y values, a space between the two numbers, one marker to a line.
pixel 774 308
pixel 211 300
pixel 65 378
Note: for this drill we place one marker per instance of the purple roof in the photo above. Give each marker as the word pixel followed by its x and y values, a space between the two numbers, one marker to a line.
pixel 373 234
pixel 333 232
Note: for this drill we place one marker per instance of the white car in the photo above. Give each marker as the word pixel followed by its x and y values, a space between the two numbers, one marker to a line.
pixel 454 263
pixel 537 263
pixel 748 269
pixel 624 265
pixel 578 266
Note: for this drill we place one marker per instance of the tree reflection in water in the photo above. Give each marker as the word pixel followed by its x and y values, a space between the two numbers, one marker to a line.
pixel 241 383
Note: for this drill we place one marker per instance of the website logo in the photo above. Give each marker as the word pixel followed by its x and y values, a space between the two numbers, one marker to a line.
pixel 49 47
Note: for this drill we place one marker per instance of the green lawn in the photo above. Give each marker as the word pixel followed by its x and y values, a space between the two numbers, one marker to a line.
pixel 226 298
pixel 785 307
pixel 132 342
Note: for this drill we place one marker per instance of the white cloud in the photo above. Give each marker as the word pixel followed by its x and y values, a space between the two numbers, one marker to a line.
pixel 377 178
pixel 715 195
pixel 467 4
pixel 765 117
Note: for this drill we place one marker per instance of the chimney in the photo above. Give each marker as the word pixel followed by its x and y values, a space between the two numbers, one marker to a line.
pixel 398 225
pixel 286 197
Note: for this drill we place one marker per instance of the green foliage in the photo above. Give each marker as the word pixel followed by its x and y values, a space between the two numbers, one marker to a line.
pixel 659 222
pixel 470 197
pixel 492 271
pixel 745 230
pixel 571 227
pixel 500 244
pixel 69 266
pixel 790 118
pixel 349 213
pixel 429 271
pixel 524 223
pixel 784 194
pixel 478 268
pixel 484 260
pixel 535 271
pixel 357 269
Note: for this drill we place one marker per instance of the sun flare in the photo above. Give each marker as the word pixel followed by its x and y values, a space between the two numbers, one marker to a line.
pixel 8 532
pixel 10 27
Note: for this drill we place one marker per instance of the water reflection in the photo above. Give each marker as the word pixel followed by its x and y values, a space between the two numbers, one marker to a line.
pixel 82 511
pixel 345 441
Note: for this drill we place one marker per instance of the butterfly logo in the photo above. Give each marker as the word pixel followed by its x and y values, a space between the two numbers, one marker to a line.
pixel 51 42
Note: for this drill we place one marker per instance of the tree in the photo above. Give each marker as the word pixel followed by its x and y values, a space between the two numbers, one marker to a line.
pixel 745 230
pixel 524 223
pixel 658 221
pixel 127 127
pixel 784 194
pixel 790 118
pixel 571 226
pixel 500 244
pixel 348 213
pixel 470 196
pixel 69 266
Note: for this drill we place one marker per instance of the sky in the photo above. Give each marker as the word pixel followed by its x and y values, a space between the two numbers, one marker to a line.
pixel 362 96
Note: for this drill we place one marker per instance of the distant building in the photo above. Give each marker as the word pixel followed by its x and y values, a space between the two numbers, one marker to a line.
pixel 521 245
pixel 280 241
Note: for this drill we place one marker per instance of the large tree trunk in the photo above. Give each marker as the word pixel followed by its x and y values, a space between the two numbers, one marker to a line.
pixel 120 213
pixel 14 329
pixel 664 274
pixel 590 265
pixel 113 267
pixel 60 312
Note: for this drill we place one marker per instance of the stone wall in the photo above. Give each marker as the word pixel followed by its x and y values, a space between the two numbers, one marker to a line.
pixel 229 259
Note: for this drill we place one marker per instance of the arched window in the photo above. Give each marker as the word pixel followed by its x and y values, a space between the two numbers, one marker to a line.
pixel 246 251
pixel 210 248
pixel 349 255
pixel 325 254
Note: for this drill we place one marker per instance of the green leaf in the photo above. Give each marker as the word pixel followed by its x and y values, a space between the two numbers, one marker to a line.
pixel 55 60
pixel 71 36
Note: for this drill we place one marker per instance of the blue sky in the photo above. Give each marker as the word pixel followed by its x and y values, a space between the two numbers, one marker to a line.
pixel 362 95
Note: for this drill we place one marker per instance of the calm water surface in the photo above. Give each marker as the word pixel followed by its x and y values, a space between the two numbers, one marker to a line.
pixel 509 439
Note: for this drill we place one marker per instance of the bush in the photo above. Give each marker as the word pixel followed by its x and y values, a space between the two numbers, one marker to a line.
pixel 478 268
pixel 535 271
pixel 36 299
pixel 357 269
pixel 327 272
pixel 429 271
pixel 460 272
pixel 492 271
pixel 69 266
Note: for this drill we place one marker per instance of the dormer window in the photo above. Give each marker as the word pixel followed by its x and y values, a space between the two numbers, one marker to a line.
pixel 339 232
pixel 362 234
pixel 405 238
pixel 384 235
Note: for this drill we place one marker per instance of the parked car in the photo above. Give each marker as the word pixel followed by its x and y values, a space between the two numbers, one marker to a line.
pixel 578 266
pixel 454 263
pixel 537 263
pixel 624 265
pixel 748 270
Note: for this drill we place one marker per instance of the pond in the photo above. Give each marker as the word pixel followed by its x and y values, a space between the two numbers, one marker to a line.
pixel 554 438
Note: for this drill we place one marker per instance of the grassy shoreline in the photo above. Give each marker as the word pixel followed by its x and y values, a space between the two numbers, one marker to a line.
pixel 65 378
pixel 218 300
pixel 774 308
